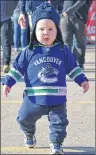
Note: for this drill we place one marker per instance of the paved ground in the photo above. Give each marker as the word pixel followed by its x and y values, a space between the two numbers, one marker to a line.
pixel 81 114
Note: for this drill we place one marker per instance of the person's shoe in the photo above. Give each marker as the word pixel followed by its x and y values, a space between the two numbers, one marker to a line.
pixel 30 142
pixel 56 148
pixel 6 68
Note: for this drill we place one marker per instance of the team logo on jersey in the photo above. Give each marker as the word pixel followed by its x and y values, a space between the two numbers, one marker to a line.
pixel 48 74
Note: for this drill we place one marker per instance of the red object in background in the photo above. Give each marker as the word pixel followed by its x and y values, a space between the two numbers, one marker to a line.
pixel 91 23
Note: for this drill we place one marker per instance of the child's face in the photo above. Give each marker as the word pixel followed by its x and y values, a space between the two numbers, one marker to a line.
pixel 46 32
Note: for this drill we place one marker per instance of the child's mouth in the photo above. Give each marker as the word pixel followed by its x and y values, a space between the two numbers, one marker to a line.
pixel 46 39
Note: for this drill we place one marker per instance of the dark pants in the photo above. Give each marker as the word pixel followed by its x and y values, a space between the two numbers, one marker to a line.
pixel 74 26
pixel 29 113
pixel 6 40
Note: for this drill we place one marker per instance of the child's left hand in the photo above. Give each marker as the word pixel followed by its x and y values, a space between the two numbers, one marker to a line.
pixel 85 86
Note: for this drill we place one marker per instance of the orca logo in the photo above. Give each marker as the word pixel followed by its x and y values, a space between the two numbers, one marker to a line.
pixel 48 74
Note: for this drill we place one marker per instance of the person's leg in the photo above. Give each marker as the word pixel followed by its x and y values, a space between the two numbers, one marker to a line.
pixel 30 21
pixel 67 31
pixel 16 32
pixel 58 122
pixel 6 41
pixel 24 32
pixel 74 42
pixel 80 44
pixel 30 24
pixel 29 113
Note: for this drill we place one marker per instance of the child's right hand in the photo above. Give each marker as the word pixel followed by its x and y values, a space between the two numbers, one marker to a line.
pixel 6 90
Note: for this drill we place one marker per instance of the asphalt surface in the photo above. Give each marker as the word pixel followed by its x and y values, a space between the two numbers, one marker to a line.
pixel 81 115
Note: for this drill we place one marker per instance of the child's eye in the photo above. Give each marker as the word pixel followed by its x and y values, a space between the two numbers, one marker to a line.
pixel 41 29
pixel 50 29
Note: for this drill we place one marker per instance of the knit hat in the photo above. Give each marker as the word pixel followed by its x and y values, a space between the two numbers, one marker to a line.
pixel 45 11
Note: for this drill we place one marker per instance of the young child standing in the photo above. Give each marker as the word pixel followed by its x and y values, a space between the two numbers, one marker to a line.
pixel 44 65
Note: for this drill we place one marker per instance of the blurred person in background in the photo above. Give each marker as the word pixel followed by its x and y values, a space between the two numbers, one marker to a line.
pixel 74 17
pixel 19 32
pixel 7 8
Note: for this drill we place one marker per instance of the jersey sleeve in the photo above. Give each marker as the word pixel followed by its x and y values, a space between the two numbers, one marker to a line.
pixel 71 67
pixel 17 71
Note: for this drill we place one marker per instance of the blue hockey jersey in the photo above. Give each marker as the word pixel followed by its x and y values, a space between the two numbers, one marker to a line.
pixel 44 70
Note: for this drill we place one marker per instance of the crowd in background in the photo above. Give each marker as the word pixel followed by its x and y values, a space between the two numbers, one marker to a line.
pixel 16 26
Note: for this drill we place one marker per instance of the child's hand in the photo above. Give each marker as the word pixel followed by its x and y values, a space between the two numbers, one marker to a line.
pixel 6 90
pixel 85 86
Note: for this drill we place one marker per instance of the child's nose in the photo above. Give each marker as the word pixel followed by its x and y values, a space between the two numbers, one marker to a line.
pixel 45 31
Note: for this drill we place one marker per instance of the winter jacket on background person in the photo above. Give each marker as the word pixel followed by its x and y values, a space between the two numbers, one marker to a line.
pixel 7 8
pixel 77 8
pixel 30 5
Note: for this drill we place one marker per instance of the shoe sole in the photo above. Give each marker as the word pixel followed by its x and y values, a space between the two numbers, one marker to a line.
pixel 57 153
pixel 29 146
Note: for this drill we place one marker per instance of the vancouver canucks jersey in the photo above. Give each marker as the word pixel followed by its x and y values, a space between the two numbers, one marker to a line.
pixel 44 70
